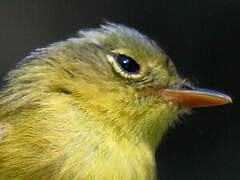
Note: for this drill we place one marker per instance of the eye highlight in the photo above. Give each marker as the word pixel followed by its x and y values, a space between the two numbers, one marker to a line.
pixel 127 64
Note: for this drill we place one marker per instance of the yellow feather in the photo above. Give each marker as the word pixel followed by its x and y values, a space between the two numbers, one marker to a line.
pixel 66 113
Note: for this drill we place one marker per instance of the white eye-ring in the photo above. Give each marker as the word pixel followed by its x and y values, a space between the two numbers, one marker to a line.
pixel 125 66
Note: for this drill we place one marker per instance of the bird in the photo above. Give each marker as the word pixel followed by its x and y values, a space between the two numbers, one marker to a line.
pixel 93 107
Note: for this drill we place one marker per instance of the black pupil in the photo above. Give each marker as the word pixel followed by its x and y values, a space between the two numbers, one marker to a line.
pixel 127 64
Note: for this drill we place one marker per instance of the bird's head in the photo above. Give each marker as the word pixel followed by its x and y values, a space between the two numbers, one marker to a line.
pixel 116 76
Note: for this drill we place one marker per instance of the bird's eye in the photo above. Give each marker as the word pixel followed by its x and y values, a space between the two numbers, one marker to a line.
pixel 127 64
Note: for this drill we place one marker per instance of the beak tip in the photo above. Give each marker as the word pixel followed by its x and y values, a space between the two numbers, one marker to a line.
pixel 229 100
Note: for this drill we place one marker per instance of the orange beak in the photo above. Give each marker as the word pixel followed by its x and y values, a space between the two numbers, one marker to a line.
pixel 194 98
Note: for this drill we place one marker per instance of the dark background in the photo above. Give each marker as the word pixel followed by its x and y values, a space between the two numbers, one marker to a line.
pixel 202 38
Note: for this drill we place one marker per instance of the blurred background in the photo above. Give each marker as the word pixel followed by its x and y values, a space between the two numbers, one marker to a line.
pixel 202 38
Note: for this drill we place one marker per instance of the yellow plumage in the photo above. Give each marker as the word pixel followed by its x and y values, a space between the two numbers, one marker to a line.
pixel 67 113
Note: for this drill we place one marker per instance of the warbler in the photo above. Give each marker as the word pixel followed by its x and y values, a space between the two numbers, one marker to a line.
pixel 92 107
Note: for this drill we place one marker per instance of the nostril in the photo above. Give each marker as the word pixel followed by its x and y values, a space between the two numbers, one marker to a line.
pixel 187 85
